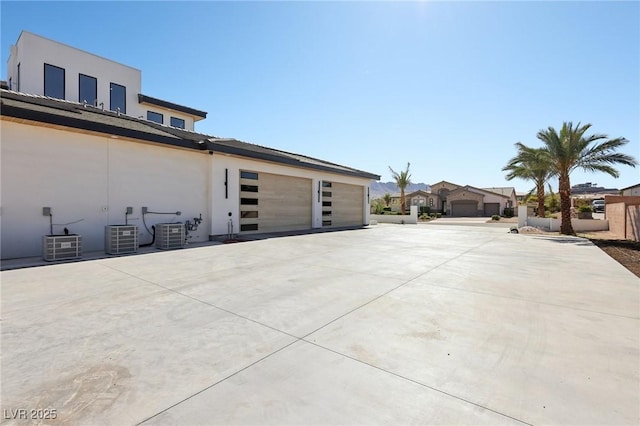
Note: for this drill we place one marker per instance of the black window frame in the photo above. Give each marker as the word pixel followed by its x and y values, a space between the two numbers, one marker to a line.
pixel 171 122
pixel 64 83
pixel 249 214
pixel 18 79
pixel 244 174
pixel 248 201
pixel 326 184
pixel 94 102
pixel 248 227
pixel 248 188
pixel 156 113
pixel 124 97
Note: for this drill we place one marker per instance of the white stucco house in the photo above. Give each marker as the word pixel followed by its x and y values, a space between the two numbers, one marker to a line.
pixel 65 146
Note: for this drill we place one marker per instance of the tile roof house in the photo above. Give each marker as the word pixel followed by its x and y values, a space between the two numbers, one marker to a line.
pixel 457 200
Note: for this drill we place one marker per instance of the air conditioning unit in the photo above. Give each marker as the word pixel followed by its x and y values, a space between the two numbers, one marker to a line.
pixel 170 236
pixel 120 239
pixel 61 247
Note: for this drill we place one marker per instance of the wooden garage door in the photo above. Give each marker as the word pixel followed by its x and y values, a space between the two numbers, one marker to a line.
pixel 464 208
pixel 270 202
pixel 342 204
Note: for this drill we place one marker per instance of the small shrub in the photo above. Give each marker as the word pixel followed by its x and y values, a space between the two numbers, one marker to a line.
pixel 508 212
pixel 585 208
pixel 425 217
pixel 438 215
pixel 495 217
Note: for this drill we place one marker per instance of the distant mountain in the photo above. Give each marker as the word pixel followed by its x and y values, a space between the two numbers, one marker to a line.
pixel 378 189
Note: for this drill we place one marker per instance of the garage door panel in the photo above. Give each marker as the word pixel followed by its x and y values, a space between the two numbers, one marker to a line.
pixel 284 202
pixel 346 204
pixel 491 209
pixel 464 209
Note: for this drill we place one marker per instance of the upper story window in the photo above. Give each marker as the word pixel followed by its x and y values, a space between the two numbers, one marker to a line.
pixel 155 116
pixel 18 79
pixel 118 98
pixel 177 122
pixel 87 89
pixel 53 81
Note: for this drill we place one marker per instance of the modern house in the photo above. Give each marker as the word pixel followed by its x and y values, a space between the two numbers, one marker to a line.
pixel 83 149
pixel 457 200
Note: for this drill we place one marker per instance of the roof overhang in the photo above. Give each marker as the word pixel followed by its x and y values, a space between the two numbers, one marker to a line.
pixel 197 114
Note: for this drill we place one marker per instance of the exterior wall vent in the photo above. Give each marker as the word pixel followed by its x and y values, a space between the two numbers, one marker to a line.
pixel 61 247
pixel 170 236
pixel 120 239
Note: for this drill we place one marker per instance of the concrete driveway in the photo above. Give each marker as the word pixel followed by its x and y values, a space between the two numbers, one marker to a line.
pixel 394 324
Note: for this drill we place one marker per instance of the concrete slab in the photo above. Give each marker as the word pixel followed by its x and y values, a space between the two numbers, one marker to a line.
pixel 394 324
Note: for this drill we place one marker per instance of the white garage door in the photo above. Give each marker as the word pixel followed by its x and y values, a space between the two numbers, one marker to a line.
pixel 270 202
pixel 342 204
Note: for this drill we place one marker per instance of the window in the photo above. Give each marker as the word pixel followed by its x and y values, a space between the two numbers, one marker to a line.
pixel 155 116
pixel 87 89
pixel 326 194
pixel 10 88
pixel 177 122
pixel 249 215
pixel 326 184
pixel 117 98
pixel 18 79
pixel 326 213
pixel 249 201
pixel 326 204
pixel 326 223
pixel 249 227
pixel 249 188
pixel 53 81
pixel 248 175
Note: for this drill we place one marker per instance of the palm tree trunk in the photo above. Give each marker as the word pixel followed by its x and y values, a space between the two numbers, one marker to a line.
pixel 402 202
pixel 540 195
pixel 565 205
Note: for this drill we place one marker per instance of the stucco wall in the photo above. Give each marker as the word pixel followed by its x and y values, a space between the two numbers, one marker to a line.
pixel 33 51
pixel 615 213
pixel 92 179
pixel 633 223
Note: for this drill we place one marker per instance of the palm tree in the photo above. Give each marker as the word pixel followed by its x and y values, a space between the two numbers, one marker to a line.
pixel 387 199
pixel 571 150
pixel 531 164
pixel 403 179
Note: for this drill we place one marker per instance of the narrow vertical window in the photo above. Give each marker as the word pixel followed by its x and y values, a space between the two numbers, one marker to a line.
pixel 87 89
pixel 53 81
pixel 18 79
pixel 118 98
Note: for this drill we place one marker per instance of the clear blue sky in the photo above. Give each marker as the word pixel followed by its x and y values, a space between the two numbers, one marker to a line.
pixel 448 86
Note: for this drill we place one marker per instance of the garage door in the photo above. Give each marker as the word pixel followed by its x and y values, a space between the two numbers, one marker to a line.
pixel 464 208
pixel 270 202
pixel 491 208
pixel 342 204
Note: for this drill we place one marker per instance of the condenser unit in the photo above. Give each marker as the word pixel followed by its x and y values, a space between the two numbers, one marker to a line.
pixel 120 239
pixel 170 236
pixel 61 247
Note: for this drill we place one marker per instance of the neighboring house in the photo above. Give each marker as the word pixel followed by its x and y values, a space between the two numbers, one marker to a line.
pixel 457 200
pixel 40 66
pixel 90 166
pixel 631 191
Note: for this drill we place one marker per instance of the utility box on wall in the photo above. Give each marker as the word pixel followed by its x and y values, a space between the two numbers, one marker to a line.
pixel 61 247
pixel 120 239
pixel 170 236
